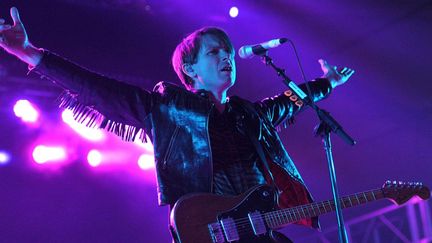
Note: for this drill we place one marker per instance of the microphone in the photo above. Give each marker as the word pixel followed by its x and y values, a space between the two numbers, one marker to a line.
pixel 259 49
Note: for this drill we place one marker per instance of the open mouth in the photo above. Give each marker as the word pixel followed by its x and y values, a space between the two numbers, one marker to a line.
pixel 226 69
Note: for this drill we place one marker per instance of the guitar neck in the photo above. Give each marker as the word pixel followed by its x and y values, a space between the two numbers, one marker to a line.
pixel 283 217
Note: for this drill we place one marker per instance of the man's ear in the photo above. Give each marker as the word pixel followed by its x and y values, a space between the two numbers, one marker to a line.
pixel 189 70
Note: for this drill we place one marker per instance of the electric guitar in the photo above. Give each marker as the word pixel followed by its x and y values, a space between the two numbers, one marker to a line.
pixel 248 218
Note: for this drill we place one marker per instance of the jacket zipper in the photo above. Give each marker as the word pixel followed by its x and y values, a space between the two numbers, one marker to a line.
pixel 168 152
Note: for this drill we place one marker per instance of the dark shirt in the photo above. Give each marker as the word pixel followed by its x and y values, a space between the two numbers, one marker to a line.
pixel 235 161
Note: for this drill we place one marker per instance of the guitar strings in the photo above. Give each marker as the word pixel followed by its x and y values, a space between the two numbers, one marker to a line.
pixel 241 222
pixel 284 213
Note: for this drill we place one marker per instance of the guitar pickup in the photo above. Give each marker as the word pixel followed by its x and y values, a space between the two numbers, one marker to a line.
pixel 230 229
pixel 216 232
pixel 257 223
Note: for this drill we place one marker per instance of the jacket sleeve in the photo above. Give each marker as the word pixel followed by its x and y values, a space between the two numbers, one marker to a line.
pixel 96 100
pixel 284 106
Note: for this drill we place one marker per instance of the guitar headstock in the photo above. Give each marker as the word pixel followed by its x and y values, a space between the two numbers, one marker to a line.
pixel 401 192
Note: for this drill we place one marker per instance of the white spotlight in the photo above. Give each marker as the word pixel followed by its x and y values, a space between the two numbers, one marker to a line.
pixel 146 162
pixel 233 12
pixel 94 158
pixel 43 154
pixel 26 111
pixel 4 157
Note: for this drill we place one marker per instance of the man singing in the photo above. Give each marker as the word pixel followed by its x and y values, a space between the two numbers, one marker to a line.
pixel 204 141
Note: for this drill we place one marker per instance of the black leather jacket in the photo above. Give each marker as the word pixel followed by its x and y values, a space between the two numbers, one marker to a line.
pixel 176 120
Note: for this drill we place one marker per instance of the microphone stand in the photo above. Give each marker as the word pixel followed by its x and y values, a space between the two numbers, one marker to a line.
pixel 327 125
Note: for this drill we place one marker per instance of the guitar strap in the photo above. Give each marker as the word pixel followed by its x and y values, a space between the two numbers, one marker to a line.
pixel 257 144
pixel 260 152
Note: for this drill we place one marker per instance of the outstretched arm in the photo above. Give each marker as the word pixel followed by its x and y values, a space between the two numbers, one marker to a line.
pixel 14 40
pixel 286 105
pixel 95 99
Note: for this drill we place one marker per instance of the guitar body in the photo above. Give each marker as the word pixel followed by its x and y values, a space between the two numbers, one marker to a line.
pixel 249 217
pixel 193 215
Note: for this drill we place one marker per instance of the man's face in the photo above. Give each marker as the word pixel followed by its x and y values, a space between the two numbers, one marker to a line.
pixel 215 67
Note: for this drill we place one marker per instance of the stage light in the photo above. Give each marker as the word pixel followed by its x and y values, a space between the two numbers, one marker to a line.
pixel 26 111
pixel 233 12
pixel 88 133
pixel 146 162
pixel 94 158
pixel 4 157
pixel 43 154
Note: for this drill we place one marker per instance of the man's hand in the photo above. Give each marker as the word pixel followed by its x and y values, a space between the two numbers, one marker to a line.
pixel 14 40
pixel 335 76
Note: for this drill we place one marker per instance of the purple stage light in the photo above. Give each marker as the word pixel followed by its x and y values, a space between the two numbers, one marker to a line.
pixel 4 157
pixel 85 132
pixel 233 12
pixel 146 162
pixel 94 158
pixel 110 158
pixel 43 154
pixel 26 111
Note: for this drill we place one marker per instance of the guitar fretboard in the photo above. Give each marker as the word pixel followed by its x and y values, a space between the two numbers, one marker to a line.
pixel 279 218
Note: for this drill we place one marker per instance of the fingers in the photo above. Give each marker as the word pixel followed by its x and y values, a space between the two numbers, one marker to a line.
pixel 322 62
pixel 346 73
pixel 324 65
pixel 349 73
pixel 15 16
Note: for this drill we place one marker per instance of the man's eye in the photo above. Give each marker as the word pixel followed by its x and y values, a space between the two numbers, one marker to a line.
pixel 214 51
